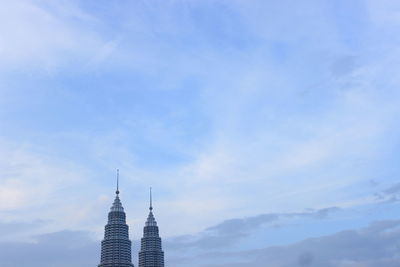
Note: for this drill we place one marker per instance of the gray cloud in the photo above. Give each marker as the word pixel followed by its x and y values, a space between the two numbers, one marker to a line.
pixel 343 66
pixel 11 229
pixel 390 194
pixel 61 249
pixel 231 231
pixel 375 245
pixel 395 189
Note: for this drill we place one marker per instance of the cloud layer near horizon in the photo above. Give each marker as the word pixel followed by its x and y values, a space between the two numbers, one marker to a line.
pixel 375 245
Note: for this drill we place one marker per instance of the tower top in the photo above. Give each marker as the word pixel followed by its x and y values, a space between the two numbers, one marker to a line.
pixel 117 192
pixel 151 200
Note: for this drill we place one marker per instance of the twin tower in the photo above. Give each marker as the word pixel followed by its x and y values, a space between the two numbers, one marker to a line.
pixel 116 246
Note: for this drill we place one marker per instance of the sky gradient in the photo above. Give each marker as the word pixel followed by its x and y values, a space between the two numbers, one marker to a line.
pixel 267 129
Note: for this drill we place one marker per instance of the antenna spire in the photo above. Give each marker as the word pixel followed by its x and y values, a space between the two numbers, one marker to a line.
pixel 151 200
pixel 117 192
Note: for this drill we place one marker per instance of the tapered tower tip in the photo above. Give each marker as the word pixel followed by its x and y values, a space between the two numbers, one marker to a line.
pixel 117 192
pixel 151 200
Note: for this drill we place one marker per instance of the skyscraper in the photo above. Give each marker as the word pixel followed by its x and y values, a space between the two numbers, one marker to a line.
pixel 116 246
pixel 151 254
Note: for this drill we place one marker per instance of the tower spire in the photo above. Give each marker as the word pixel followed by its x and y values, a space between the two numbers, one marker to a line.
pixel 116 248
pixel 117 192
pixel 151 200
pixel 151 253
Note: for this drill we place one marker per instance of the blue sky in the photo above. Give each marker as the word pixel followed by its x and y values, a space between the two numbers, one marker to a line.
pixel 259 124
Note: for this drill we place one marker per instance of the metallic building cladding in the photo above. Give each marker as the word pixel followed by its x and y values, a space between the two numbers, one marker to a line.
pixel 151 254
pixel 116 246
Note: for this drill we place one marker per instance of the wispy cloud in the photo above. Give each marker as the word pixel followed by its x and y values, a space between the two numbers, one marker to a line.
pixel 40 37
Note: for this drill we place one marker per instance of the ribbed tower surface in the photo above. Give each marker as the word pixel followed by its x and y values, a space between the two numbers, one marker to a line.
pixel 116 246
pixel 151 254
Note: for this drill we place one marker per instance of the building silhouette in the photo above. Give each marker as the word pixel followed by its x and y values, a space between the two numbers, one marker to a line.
pixel 116 246
pixel 151 254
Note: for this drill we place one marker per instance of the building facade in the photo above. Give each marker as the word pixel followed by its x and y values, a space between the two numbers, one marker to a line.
pixel 151 253
pixel 116 246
